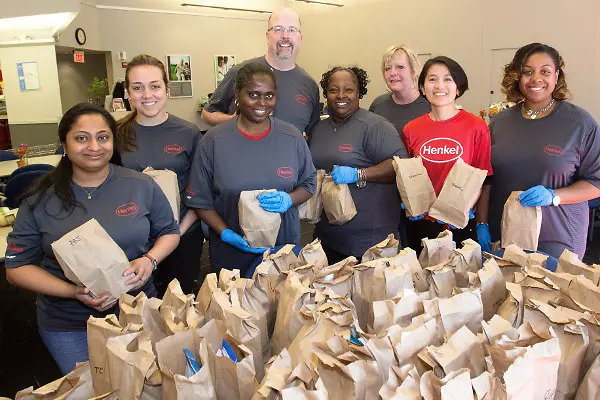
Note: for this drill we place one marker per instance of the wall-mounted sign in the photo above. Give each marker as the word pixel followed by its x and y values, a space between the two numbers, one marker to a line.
pixel 29 78
pixel 78 57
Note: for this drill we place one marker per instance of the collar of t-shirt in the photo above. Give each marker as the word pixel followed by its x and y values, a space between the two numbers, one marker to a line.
pixel 258 137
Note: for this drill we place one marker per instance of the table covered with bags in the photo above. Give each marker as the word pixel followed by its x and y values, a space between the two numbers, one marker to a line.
pixel 392 325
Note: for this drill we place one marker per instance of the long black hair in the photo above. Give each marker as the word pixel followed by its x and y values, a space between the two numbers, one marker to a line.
pixel 60 177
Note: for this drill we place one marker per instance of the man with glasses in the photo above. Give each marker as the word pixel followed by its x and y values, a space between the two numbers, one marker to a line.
pixel 297 93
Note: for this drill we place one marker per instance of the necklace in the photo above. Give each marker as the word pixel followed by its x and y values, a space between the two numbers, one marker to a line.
pixel 533 114
pixel 336 125
pixel 89 194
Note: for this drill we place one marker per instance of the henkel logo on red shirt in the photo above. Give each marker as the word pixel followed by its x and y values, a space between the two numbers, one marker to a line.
pixel 285 172
pixel 300 98
pixel 173 149
pixel 553 150
pixel 345 148
pixel 127 209
pixel 441 150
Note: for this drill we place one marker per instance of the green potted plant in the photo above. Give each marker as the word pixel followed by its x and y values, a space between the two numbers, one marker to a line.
pixel 98 88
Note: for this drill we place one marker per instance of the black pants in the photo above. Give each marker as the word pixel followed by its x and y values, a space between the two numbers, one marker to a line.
pixel 334 256
pixel 417 230
pixel 183 263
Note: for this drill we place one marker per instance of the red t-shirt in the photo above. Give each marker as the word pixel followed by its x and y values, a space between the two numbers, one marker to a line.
pixel 441 143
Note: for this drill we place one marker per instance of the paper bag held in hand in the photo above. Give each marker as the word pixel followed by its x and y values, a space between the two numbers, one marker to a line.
pixel 167 181
pixel 90 257
pixel 520 225
pixel 414 185
pixel 312 209
pixel 260 227
pixel 459 194
pixel 337 202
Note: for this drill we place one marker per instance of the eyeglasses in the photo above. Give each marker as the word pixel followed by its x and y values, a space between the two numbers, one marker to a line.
pixel 278 29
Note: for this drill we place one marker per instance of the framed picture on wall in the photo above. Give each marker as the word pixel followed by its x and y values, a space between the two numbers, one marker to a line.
pixel 222 66
pixel 179 71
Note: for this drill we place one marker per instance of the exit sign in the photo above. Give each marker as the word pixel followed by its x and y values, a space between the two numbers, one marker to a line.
pixel 78 57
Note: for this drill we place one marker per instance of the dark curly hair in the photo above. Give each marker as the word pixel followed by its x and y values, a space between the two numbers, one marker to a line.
pixel 514 70
pixel 248 71
pixel 362 79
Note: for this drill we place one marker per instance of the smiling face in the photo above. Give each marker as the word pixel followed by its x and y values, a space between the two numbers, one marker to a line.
pixel 342 95
pixel 538 79
pixel 398 75
pixel 256 99
pixel 148 93
pixel 439 86
pixel 284 45
pixel 89 143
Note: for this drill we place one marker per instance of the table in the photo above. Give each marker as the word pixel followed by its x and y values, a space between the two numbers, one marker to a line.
pixel 7 167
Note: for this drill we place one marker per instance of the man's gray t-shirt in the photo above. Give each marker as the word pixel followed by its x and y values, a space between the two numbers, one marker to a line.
pixel 170 145
pixel 229 162
pixel 399 114
pixel 555 151
pixel 297 96
pixel 362 141
pixel 129 205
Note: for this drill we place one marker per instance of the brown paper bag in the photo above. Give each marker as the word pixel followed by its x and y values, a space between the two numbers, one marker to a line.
pixel 414 185
pixel 459 194
pixel 172 363
pixel 314 254
pixel 231 380
pixel 493 288
pixel 99 330
pixel 337 202
pixel 496 327
pixel 466 259
pixel 131 363
pixel 77 384
pixel 387 248
pixel 462 350
pixel 167 181
pixel 588 390
pixel 152 321
pixel 289 321
pixel 463 309
pixel 456 385
pixel 130 309
pixel 90 257
pixel 260 227
pixel 569 263
pixel 408 257
pixel 415 338
pixel 403 384
pixel 312 209
pixel 438 250
pixel 520 225
pixel 441 280
pixel 278 370
pixel 337 277
pixel 397 311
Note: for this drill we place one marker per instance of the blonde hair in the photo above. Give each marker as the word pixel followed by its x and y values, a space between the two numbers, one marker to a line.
pixel 411 56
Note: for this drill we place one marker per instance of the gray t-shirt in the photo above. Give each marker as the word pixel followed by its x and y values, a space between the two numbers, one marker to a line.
pixel 297 96
pixel 229 162
pixel 362 141
pixel 134 231
pixel 170 145
pixel 399 114
pixel 555 151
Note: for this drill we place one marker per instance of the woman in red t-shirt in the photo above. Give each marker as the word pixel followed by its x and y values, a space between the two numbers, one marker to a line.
pixel 440 137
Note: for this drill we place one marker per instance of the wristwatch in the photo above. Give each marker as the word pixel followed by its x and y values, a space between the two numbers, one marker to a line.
pixel 556 200
pixel 153 260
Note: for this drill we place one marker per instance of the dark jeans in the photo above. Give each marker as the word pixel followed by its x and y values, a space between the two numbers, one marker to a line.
pixel 183 264
pixel 417 230
pixel 67 348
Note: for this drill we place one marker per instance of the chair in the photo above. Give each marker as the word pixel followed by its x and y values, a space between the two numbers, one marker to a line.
pixel 16 187
pixel 31 167
pixel 594 205
pixel 6 155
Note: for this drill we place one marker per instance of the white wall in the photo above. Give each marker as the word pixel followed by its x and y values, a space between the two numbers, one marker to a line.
pixel 35 106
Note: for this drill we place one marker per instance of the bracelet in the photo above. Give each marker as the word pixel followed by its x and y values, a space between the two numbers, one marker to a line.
pixel 153 260
pixel 362 178
pixel 482 223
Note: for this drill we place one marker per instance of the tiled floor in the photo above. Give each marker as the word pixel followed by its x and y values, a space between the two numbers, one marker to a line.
pixel 24 361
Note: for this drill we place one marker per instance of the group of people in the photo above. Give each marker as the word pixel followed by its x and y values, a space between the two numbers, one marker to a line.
pixel 546 147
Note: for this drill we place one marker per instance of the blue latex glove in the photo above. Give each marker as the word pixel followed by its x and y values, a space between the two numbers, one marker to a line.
pixel 416 218
pixel 344 174
pixel 235 240
pixel 278 202
pixel 444 223
pixel 536 196
pixel 484 237
pixel 471 214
